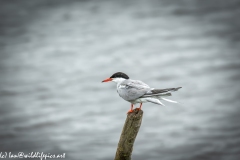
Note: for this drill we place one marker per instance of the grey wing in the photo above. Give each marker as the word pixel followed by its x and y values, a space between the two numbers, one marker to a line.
pixel 132 89
pixel 160 92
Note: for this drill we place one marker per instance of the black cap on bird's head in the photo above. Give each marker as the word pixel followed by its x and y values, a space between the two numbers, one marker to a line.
pixel 120 75
pixel 116 75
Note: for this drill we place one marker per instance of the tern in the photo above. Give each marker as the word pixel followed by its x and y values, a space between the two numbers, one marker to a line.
pixel 135 91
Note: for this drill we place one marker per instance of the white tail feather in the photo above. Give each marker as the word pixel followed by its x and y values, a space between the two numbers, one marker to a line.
pixel 154 100
pixel 165 99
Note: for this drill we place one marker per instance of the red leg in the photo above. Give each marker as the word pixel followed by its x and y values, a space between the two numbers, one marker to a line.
pixel 131 110
pixel 140 107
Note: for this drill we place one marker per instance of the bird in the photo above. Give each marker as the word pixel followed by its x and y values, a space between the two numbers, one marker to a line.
pixel 136 91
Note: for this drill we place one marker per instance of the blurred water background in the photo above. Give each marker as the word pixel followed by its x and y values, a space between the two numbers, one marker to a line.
pixel 54 55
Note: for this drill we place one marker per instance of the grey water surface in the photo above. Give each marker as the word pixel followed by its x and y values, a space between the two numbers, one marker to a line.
pixel 54 55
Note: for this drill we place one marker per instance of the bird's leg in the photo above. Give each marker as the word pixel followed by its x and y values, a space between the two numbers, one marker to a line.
pixel 131 110
pixel 140 107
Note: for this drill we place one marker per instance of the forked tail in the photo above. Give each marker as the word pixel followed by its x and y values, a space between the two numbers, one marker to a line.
pixel 155 95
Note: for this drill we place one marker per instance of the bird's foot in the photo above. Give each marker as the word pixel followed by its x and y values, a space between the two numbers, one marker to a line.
pixel 138 108
pixel 130 111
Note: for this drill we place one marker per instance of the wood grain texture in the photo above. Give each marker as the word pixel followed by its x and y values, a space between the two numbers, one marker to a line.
pixel 129 134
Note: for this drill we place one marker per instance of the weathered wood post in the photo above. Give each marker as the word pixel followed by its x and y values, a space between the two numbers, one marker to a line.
pixel 129 133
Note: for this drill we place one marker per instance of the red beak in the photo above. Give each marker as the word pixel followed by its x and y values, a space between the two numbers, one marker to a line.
pixel 107 80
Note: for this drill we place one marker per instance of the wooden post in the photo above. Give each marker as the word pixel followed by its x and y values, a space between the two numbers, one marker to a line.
pixel 129 133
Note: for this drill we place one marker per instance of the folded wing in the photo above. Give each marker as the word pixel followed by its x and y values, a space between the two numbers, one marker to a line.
pixel 132 89
pixel 160 92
